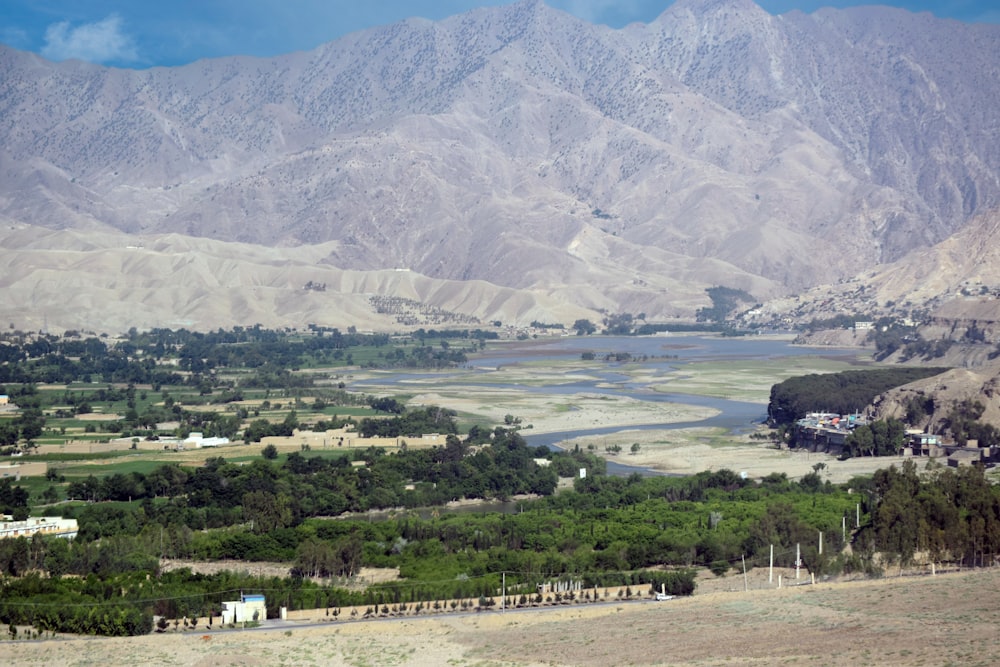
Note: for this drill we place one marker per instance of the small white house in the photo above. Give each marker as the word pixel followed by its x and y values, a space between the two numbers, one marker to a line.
pixel 198 440
pixel 247 608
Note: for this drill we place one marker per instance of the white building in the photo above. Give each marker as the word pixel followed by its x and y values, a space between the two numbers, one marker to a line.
pixel 198 440
pixel 46 525
pixel 247 608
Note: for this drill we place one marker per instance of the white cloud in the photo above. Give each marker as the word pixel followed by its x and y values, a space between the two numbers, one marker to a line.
pixel 99 42
pixel 15 37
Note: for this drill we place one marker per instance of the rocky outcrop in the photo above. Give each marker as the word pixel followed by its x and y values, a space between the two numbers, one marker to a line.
pixel 932 399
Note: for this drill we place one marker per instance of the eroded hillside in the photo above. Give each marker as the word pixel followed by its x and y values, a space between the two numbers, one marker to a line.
pixel 583 169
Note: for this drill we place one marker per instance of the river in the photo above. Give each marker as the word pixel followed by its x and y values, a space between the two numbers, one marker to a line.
pixel 660 354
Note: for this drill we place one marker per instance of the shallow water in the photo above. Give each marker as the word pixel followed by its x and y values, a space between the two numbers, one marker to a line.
pixel 665 354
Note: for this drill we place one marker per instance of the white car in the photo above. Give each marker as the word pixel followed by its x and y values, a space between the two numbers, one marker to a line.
pixel 663 596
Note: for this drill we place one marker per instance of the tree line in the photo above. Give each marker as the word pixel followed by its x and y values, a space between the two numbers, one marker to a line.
pixel 266 355
pixel 948 514
pixel 605 530
pixel 276 495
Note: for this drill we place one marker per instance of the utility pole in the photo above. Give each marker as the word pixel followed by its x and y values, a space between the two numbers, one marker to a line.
pixel 798 559
pixel 746 586
pixel 770 568
pixel 503 590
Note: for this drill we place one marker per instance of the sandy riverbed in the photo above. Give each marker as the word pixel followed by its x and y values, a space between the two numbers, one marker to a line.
pixel 681 451
pixel 554 413
pixel 692 450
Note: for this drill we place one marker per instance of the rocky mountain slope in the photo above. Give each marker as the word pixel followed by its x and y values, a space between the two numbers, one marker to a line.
pixel 939 397
pixel 952 283
pixel 516 162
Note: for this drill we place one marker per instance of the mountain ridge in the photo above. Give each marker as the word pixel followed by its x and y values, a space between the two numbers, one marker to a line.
pixel 715 145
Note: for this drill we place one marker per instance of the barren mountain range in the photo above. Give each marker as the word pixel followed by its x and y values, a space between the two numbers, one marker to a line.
pixel 512 163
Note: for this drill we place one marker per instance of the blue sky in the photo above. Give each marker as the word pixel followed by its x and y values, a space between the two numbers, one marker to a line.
pixel 144 33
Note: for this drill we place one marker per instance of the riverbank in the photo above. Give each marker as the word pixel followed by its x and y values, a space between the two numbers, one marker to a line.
pixel 688 451
pixel 557 413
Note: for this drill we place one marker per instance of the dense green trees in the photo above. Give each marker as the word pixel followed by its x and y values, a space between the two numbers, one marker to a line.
pixel 618 324
pixel 604 531
pixel 13 499
pixel 124 604
pixel 266 356
pixel 884 437
pixel 947 513
pixel 274 494
pixel 412 423
pixel 724 301
pixel 843 393
pixel 337 557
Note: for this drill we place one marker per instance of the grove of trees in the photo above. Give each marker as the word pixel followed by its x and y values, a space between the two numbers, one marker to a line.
pixel 842 393
pixel 604 531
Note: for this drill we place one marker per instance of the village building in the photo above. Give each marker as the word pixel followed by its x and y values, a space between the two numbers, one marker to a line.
pixel 53 526
pixel 826 431
pixel 199 441
pixel 933 446
pixel 924 444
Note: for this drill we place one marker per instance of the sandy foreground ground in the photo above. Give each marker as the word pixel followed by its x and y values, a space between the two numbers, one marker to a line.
pixel 948 619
